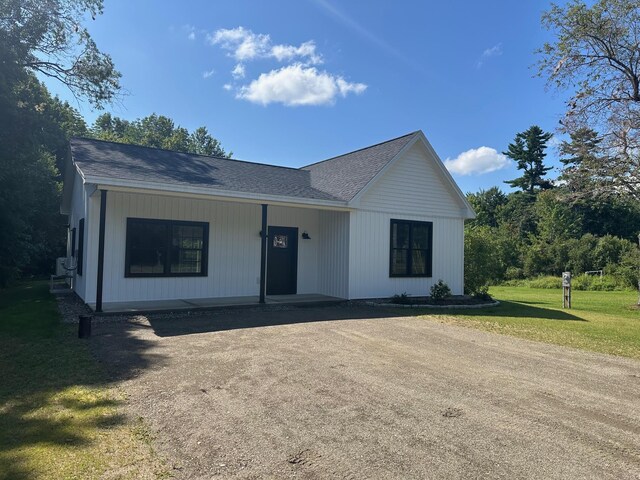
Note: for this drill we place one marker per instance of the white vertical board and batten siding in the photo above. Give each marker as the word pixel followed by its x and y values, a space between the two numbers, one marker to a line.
pixel 413 188
pixel 233 255
pixel 333 236
pixel 78 211
pixel 304 219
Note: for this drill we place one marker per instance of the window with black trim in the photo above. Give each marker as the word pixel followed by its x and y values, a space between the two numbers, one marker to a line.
pixel 79 260
pixel 410 253
pixel 166 248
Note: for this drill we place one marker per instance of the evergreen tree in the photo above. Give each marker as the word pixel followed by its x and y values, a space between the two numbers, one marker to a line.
pixel 528 150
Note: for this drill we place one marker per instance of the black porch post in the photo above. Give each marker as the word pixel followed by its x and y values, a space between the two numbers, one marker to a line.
pixel 103 216
pixel 263 253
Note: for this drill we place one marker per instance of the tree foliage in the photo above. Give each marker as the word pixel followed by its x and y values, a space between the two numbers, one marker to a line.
pixel 528 150
pixel 47 37
pixel 544 234
pixel 596 55
pixel 157 131
pixel 41 37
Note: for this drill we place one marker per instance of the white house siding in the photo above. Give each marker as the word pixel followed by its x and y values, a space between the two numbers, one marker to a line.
pixel 234 247
pixel 369 256
pixel 411 189
pixel 413 185
pixel 78 211
pixel 333 254
pixel 305 219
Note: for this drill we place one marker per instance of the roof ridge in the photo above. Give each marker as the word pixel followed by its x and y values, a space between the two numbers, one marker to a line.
pixel 181 153
pixel 361 149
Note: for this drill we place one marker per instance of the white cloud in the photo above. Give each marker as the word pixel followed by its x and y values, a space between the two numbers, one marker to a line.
pixel 477 161
pixel 238 71
pixel 244 45
pixel 191 31
pixel 288 52
pixel 494 51
pixel 227 87
pixel 296 85
pixel 208 73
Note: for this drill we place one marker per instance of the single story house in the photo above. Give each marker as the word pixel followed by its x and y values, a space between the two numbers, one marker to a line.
pixel 149 225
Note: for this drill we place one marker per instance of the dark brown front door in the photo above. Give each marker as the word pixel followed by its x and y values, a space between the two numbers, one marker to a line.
pixel 282 261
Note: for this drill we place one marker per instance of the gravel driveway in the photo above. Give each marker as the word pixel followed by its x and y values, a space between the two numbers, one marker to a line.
pixel 355 392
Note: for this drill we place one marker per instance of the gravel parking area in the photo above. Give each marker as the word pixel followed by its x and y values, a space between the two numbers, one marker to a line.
pixel 356 392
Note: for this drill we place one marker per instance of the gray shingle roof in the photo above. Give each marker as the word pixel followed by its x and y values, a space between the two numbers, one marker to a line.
pixel 338 179
pixel 346 175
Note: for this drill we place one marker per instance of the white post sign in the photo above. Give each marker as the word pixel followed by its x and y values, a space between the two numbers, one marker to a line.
pixel 566 289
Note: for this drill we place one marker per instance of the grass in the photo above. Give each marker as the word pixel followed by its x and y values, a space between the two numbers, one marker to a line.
pixel 606 322
pixel 59 416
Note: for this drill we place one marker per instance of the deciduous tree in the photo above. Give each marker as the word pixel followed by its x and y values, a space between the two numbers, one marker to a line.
pixel 595 55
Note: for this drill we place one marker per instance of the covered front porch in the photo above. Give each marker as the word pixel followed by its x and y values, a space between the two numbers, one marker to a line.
pixel 246 253
pixel 201 304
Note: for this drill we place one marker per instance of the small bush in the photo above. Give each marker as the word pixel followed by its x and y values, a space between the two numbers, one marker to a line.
pixel 402 299
pixel 514 273
pixel 440 291
pixel 546 282
pixel 482 294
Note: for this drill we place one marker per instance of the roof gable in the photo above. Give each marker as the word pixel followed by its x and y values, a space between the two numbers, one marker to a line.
pixel 347 175
pixel 436 167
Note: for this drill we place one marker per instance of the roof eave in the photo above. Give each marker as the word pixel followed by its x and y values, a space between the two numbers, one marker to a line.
pixel 107 183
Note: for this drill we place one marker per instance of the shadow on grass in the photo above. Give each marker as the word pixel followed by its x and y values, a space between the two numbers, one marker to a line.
pixel 53 397
pixel 519 309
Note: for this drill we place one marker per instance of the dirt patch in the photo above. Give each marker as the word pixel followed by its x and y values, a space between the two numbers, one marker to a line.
pixel 349 392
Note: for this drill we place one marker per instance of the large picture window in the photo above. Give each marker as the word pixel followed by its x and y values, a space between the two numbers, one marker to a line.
pixel 410 253
pixel 166 248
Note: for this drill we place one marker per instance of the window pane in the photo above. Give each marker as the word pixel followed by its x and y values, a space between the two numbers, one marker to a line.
pixel 420 236
pixel 400 235
pixel 186 261
pixel 187 236
pixel 418 262
pixel 187 243
pixel 147 247
pixel 399 263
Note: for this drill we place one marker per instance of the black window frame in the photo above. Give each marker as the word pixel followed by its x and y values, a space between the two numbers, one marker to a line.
pixel 80 259
pixel 167 262
pixel 429 266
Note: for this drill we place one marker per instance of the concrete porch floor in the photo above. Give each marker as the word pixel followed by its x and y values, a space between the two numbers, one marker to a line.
pixel 157 306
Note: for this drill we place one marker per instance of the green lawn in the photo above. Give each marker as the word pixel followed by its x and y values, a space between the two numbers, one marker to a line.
pixel 59 417
pixel 605 322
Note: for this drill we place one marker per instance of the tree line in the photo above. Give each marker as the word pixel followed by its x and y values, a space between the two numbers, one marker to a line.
pixel 589 218
pixel 545 227
pixel 47 39
pixel 586 220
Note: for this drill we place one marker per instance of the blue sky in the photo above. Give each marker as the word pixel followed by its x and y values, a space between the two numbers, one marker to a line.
pixel 291 82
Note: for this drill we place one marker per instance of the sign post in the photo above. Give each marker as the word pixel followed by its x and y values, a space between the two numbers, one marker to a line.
pixel 566 289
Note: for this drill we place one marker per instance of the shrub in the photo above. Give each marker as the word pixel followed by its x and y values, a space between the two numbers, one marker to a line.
pixel 440 291
pixel 402 299
pixel 481 262
pixel 546 282
pixel 579 282
pixel 483 294
pixel 514 273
